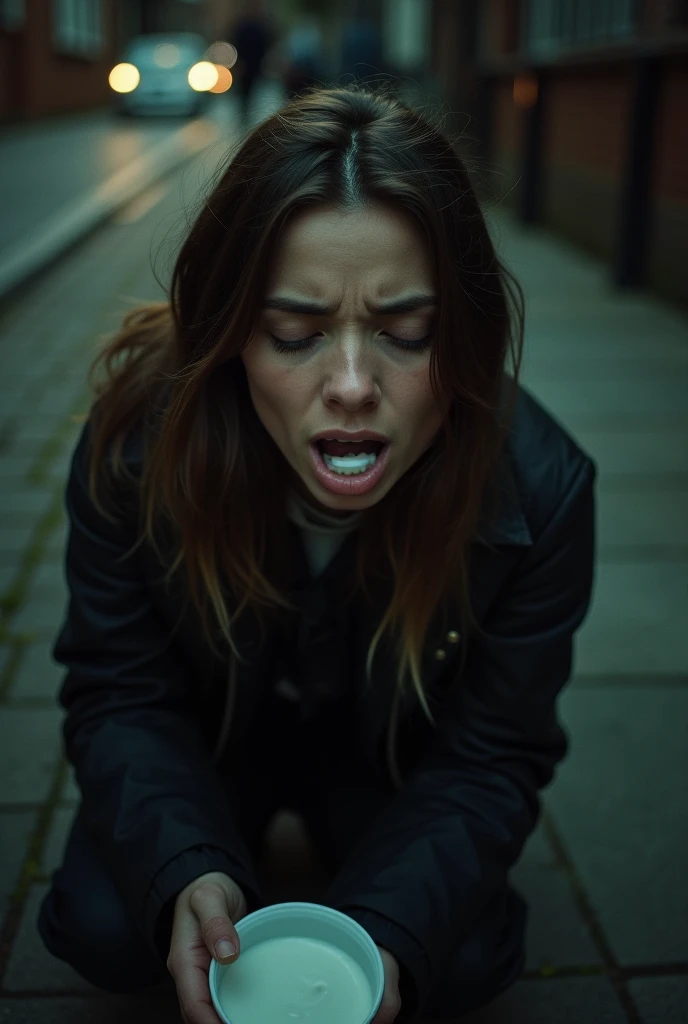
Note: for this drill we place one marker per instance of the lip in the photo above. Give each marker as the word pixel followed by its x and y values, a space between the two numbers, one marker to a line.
pixel 356 484
pixel 350 435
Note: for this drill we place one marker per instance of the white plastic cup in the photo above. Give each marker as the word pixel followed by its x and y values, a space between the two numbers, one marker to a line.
pixel 307 921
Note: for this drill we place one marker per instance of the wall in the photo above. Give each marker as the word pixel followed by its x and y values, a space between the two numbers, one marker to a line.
pixel 507 134
pixel 585 130
pixel 10 50
pixel 36 80
pixel 668 244
pixel 55 82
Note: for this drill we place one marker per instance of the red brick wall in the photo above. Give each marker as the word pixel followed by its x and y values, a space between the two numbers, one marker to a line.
pixel 500 26
pixel 586 120
pixel 671 147
pixel 35 80
pixel 55 82
pixel 585 133
pixel 507 126
pixel 9 63
pixel 668 242
pixel 507 133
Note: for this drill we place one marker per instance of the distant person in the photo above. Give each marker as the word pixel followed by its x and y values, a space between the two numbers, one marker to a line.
pixel 252 36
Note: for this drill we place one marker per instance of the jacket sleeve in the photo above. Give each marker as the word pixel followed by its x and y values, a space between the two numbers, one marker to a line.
pixel 151 797
pixel 420 878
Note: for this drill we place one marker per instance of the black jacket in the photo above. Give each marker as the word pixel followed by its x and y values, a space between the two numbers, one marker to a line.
pixel 145 696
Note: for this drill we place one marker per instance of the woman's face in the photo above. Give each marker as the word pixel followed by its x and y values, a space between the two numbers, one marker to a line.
pixel 343 346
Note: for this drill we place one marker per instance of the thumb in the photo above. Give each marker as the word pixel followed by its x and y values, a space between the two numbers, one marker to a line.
pixel 216 907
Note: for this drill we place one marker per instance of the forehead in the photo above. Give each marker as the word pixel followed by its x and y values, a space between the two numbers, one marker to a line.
pixel 378 248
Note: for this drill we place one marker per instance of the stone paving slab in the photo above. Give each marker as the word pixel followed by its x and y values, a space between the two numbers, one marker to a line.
pixel 588 1000
pixel 557 935
pixel 638 450
pixel 535 1002
pixel 70 791
pixel 579 408
pixel 56 840
pixel 17 828
pixel 30 745
pixel 161 1009
pixel 38 676
pixel 635 397
pixel 651 516
pixel 42 614
pixel 18 503
pixel 56 541
pixel 574 343
pixel 5 655
pixel 36 430
pixel 31 968
pixel 14 540
pixel 619 804
pixel 661 1000
pixel 637 622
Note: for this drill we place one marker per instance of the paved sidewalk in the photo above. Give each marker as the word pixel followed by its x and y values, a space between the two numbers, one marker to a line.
pixel 605 872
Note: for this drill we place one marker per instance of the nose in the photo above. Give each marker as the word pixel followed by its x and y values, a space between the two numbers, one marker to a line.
pixel 351 381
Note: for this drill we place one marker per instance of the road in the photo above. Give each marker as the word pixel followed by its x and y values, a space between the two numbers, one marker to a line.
pixel 61 178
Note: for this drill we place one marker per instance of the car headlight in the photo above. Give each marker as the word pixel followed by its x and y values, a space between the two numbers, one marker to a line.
pixel 203 76
pixel 124 78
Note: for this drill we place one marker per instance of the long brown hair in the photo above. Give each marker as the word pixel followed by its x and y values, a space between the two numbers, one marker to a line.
pixel 175 368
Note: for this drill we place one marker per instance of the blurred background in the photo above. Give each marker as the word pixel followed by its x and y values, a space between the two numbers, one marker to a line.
pixel 571 116
pixel 577 106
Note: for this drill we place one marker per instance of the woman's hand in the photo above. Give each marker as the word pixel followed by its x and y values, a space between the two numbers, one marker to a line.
pixel 391 1000
pixel 204 917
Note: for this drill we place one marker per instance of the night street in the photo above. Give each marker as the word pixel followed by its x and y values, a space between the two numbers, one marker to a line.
pixel 568 119
pixel 608 927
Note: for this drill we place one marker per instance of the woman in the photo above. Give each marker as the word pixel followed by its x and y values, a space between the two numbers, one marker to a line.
pixel 325 555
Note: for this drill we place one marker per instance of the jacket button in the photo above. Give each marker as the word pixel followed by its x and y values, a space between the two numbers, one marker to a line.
pixel 453 637
pixel 440 655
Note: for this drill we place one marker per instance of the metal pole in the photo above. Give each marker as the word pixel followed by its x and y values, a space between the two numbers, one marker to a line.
pixel 636 189
pixel 531 174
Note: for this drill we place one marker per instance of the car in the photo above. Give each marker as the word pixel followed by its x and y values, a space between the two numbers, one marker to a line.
pixel 153 76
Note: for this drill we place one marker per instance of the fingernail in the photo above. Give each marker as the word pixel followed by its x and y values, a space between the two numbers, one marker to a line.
pixel 224 948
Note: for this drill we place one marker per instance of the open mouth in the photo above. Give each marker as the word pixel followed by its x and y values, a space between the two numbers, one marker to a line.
pixel 349 458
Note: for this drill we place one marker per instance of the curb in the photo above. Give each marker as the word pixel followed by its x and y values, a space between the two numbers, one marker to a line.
pixel 43 245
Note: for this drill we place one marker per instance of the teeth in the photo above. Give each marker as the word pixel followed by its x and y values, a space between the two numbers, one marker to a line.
pixel 348 465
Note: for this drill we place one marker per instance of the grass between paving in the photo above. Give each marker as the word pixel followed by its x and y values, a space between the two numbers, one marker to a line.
pixel 31 868
pixel 32 556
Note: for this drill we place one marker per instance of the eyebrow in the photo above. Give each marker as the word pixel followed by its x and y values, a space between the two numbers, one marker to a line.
pixel 407 305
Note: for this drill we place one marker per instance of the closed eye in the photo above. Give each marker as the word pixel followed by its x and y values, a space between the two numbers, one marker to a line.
pixel 301 344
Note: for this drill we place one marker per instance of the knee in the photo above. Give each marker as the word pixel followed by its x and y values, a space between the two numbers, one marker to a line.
pixel 96 938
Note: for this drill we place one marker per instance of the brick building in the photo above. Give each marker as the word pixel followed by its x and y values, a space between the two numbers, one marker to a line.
pixel 580 107
pixel 55 55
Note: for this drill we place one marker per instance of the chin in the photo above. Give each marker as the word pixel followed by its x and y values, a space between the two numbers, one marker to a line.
pixel 344 503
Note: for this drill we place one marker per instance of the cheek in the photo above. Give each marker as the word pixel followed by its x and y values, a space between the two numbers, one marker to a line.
pixel 414 393
pixel 421 415
pixel 276 393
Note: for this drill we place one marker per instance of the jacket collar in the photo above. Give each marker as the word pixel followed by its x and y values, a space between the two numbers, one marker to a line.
pixel 505 523
pixel 508 524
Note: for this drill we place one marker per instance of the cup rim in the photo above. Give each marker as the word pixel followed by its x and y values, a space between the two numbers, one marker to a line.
pixel 283 909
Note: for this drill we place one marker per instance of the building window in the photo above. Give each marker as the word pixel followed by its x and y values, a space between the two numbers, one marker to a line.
pixel 78 27
pixel 555 25
pixel 11 14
